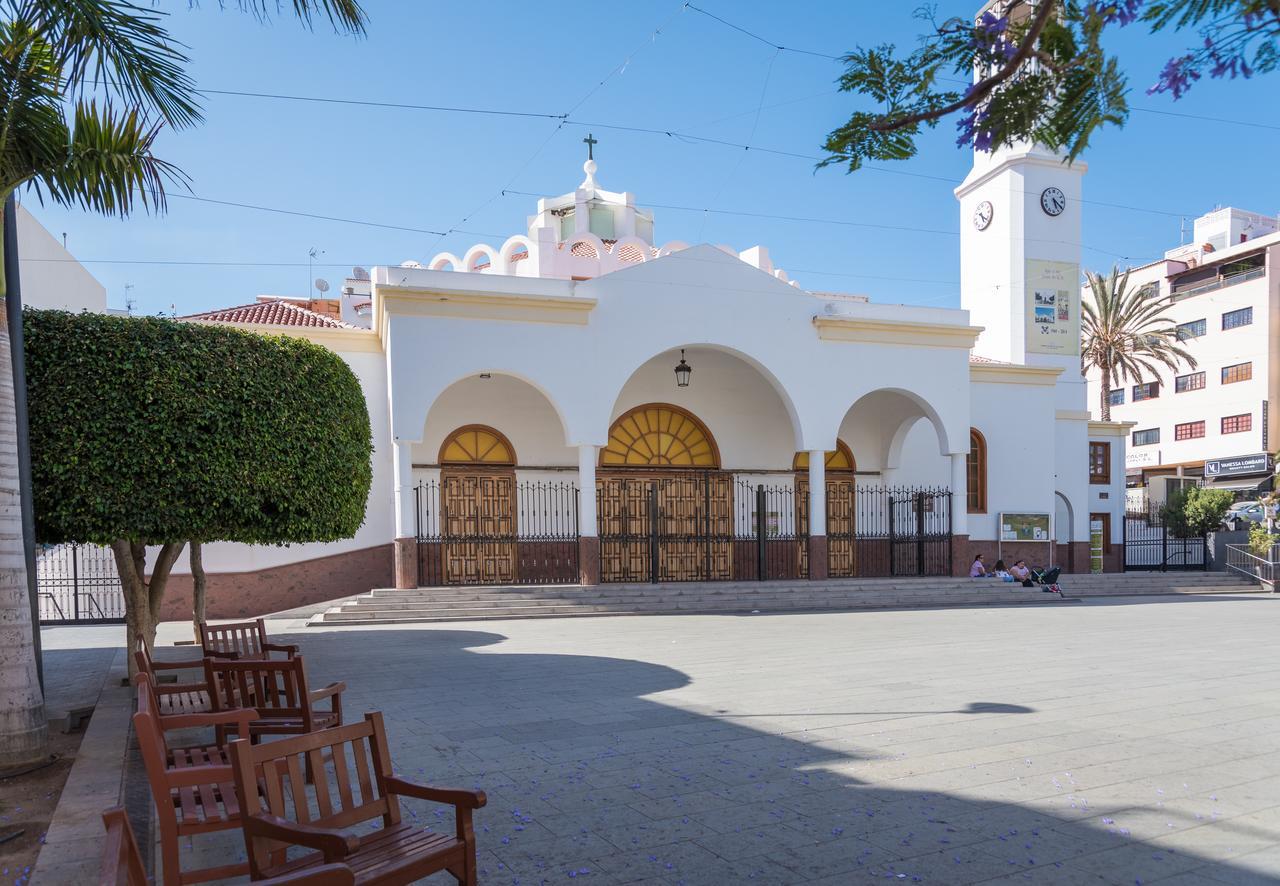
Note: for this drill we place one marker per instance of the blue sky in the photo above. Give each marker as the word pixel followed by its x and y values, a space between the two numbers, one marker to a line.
pixel 444 171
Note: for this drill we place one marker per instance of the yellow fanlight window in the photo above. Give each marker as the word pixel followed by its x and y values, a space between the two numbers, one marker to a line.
pixel 659 435
pixel 477 445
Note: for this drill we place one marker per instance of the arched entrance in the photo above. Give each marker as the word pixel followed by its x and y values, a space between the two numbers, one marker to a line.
pixel 665 509
pixel 841 511
pixel 477 506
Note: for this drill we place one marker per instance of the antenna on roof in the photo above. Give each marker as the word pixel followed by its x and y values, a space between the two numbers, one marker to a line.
pixel 359 273
pixel 322 285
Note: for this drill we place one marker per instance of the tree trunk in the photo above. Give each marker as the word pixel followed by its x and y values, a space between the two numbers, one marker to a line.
pixel 197 588
pixel 24 732
pixel 1106 402
pixel 143 596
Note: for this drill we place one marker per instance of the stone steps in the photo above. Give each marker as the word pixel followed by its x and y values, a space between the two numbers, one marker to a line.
pixel 480 603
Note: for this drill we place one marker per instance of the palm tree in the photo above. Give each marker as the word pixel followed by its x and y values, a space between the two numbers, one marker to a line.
pixel 1126 334
pixel 85 88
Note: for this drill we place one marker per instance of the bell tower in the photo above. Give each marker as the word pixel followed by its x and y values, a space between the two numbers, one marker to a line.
pixel 1020 225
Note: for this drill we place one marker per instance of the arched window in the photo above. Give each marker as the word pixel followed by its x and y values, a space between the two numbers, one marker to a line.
pixel 659 435
pixel 477 445
pixel 977 472
pixel 838 461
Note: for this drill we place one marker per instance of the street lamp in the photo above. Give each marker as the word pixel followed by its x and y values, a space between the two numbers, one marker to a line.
pixel 683 371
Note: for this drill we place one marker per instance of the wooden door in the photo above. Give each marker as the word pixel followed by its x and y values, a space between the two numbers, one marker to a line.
pixel 479 523
pixel 695 527
pixel 624 523
pixel 690 536
pixel 842 550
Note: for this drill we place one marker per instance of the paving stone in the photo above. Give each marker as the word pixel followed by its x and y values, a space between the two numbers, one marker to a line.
pixel 844 747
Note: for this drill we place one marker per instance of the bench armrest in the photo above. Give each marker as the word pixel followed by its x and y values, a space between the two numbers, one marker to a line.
pixel 238 717
pixel 328 691
pixel 288 648
pixel 452 796
pixel 333 843
pixel 179 688
pixel 192 776
pixel 195 663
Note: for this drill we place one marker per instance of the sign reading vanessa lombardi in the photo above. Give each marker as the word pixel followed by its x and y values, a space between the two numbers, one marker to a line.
pixel 1053 309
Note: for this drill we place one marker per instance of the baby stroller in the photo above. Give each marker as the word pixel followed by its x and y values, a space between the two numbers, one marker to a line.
pixel 1048 579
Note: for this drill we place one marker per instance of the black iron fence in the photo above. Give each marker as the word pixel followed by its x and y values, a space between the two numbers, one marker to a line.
pixel 77 584
pixel 490 529
pixel 480 528
pixel 1150 545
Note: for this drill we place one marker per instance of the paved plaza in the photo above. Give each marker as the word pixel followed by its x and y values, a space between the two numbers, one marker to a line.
pixel 1120 742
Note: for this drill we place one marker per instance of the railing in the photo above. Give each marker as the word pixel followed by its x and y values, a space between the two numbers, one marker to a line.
pixel 77 584
pixel 490 529
pixel 1219 283
pixel 1243 561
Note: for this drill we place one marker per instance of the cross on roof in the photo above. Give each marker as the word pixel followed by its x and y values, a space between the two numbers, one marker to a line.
pixel 590 141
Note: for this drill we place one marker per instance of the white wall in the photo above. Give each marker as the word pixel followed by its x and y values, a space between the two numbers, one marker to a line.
pixel 1017 421
pixel 50 275
pixel 740 408
pixel 512 406
pixel 697 298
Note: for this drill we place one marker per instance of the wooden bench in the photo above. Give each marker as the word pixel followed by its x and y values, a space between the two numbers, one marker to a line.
pixel 278 691
pixel 241 640
pixel 174 698
pixel 278 811
pixel 122 862
pixel 192 786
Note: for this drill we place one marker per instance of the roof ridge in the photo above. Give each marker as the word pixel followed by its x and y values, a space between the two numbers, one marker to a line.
pixel 269 313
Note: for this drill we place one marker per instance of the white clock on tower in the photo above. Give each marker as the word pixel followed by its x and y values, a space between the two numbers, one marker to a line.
pixel 1053 201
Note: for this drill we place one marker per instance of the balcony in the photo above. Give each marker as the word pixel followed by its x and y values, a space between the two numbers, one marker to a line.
pixel 1219 283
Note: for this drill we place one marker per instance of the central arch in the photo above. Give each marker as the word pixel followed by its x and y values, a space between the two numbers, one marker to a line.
pixel 660 435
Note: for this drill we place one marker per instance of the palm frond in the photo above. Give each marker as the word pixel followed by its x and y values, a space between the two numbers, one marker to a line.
pixel 1126 333
pixel 33 130
pixel 109 167
pixel 118 47
pixel 343 15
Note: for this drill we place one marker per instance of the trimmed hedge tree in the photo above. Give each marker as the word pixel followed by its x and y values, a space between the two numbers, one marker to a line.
pixel 150 431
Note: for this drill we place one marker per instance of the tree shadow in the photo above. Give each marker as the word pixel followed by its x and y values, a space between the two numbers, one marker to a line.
pixel 591 775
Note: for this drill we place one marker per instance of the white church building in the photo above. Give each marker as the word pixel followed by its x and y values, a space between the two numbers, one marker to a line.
pixel 587 403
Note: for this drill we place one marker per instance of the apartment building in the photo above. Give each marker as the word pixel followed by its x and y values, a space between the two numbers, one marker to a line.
pixel 1215 421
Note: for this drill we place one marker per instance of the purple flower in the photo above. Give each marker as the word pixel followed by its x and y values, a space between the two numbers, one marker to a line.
pixel 1122 13
pixel 1176 77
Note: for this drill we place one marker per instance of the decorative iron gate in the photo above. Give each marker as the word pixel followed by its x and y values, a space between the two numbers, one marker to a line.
pixel 697 526
pixel 705 527
pixel 1152 546
pixel 919 531
pixel 480 528
pixel 78 584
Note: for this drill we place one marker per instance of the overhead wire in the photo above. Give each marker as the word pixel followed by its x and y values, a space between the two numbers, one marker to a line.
pixel 617 69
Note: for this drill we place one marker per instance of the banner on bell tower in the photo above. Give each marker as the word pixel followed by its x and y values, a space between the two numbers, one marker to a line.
pixel 1053 307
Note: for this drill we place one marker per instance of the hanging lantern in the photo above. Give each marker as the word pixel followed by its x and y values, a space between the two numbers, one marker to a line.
pixel 683 371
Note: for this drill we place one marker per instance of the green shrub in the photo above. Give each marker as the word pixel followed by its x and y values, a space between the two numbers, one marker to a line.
pixel 149 431
pixel 1193 512
pixel 1261 541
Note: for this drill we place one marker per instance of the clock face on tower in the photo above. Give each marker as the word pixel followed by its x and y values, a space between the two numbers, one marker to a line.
pixel 1053 201
pixel 982 215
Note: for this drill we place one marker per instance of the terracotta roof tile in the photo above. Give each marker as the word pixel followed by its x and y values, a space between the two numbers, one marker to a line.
pixel 271 313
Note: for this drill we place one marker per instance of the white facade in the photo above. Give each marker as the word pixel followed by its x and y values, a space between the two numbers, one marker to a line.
pixel 552 359
pixel 1227 305
pixel 50 275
